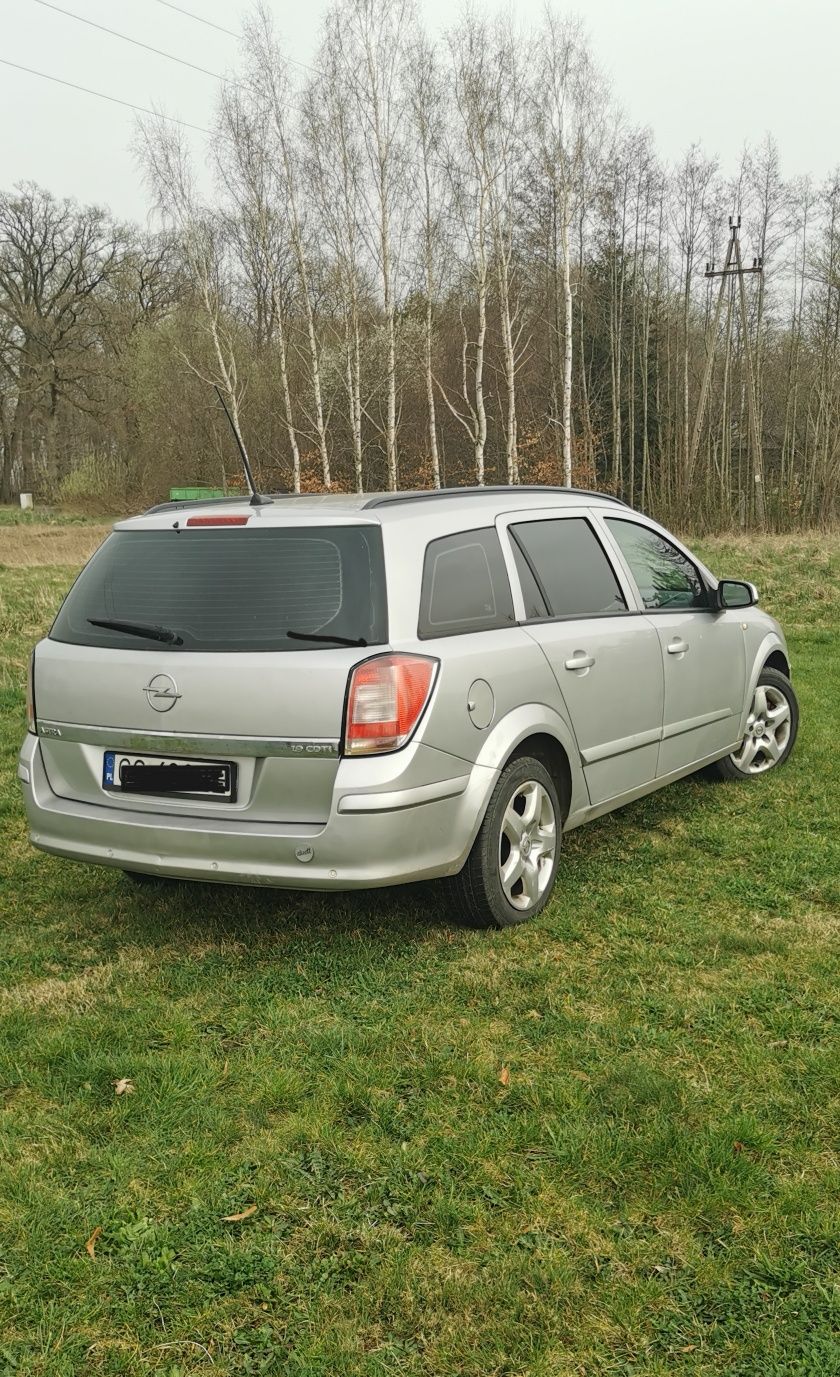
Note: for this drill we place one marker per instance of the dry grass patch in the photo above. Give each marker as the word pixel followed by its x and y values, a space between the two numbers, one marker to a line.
pixel 34 546
pixel 75 993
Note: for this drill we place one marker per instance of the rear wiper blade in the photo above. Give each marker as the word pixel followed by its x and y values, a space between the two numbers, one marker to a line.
pixel 153 633
pixel 316 636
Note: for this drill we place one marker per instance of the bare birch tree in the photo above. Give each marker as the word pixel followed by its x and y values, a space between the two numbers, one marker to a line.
pixel 166 163
pixel 334 169
pixel 469 176
pixel 372 36
pixel 568 97
pixel 259 230
pixel 269 79
pixel 425 87
pixel 692 189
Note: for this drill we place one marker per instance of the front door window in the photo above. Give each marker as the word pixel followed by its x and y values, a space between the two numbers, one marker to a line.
pixel 667 580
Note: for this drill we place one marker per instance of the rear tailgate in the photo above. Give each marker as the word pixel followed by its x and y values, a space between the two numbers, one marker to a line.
pixel 276 717
pixel 264 702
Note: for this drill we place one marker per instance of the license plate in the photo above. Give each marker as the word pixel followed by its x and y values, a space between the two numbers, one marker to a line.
pixel 162 775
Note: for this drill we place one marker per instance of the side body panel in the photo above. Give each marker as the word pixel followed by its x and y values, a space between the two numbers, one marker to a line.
pixel 499 673
pixel 608 669
pixel 704 685
pixel 614 703
pixel 703 665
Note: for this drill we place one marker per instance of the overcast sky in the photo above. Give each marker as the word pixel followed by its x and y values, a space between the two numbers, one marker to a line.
pixel 775 69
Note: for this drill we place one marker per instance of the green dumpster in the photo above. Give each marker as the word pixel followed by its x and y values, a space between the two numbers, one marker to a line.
pixel 197 493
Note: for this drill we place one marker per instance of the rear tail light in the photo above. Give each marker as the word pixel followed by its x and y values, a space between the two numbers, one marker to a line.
pixel 388 695
pixel 31 722
pixel 217 520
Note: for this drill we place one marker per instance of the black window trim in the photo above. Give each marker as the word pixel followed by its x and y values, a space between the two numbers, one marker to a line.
pixel 528 519
pixel 689 559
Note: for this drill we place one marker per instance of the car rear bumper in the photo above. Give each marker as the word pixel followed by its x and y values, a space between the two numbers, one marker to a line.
pixel 372 838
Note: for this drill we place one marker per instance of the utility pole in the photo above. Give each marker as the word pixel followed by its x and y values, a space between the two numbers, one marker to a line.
pixel 733 267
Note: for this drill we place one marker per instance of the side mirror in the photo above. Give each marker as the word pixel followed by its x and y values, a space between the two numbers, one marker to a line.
pixel 736 593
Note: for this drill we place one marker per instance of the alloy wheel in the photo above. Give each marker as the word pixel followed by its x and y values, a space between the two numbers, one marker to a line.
pixel 527 845
pixel 767 734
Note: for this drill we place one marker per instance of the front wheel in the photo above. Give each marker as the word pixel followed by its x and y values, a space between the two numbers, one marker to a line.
pixel 512 866
pixel 772 725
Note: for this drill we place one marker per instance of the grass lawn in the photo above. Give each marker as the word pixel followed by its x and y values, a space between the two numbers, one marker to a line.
pixel 45 516
pixel 606 1142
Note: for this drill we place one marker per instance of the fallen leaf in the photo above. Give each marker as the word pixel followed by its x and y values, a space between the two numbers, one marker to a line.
pixel 124 1086
pixel 237 1218
pixel 90 1246
pixel 737 1146
pixel 579 1075
pixel 504 1076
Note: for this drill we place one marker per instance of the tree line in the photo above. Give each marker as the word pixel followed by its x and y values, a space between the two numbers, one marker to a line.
pixel 429 262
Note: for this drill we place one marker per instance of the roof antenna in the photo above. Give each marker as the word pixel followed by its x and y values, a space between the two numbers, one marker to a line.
pixel 257 500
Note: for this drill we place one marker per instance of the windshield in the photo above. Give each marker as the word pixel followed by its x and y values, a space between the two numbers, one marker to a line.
pixel 231 589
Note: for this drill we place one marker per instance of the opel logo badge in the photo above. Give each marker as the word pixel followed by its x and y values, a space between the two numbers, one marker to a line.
pixel 161 692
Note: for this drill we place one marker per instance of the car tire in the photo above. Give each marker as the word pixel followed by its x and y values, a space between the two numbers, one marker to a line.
pixel 511 869
pixel 772 727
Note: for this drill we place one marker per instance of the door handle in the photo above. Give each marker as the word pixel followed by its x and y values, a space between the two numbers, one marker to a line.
pixel 678 647
pixel 580 660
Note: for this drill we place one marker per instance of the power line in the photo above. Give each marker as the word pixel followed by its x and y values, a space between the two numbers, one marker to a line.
pixel 115 100
pixel 160 52
pixel 209 22
pixel 126 38
pixel 199 19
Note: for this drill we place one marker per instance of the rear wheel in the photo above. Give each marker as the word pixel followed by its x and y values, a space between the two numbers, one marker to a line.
pixel 772 725
pixel 512 866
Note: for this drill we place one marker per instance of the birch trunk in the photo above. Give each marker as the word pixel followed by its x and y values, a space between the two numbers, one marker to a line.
pixel 567 350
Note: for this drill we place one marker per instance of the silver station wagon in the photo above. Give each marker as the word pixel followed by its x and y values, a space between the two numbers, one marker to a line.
pixel 331 692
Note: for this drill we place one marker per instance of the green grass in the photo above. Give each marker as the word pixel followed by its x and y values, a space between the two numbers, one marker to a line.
pixel 45 516
pixel 654 1191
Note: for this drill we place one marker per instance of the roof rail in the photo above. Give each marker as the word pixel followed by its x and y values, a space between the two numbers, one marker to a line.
pixel 432 494
pixel 208 502
pixel 391 498
pixel 193 502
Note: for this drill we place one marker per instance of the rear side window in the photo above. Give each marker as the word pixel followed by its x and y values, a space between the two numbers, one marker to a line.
pixel 569 574
pixel 666 578
pixel 234 589
pixel 465 585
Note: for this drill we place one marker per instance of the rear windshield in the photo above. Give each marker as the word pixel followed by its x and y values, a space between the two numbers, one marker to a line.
pixel 231 589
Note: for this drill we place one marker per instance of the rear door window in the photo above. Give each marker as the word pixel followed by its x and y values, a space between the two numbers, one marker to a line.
pixel 234 589
pixel 568 572
pixel 465 585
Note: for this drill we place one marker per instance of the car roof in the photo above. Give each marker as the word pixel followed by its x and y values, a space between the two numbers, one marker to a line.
pixel 382 507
